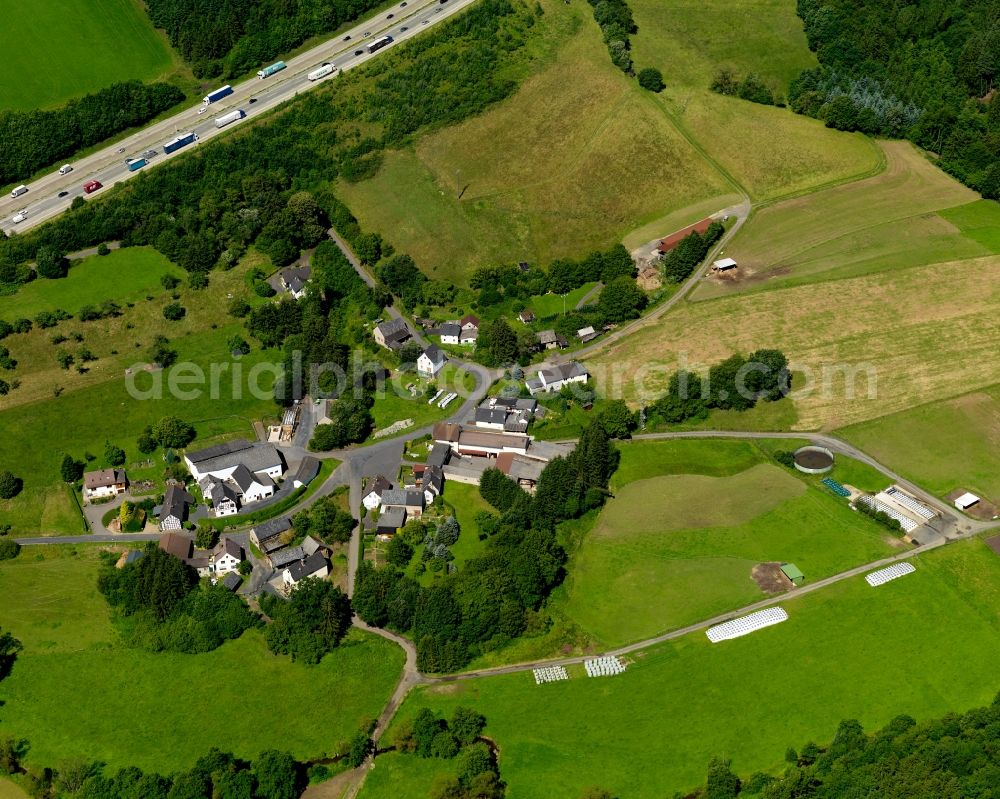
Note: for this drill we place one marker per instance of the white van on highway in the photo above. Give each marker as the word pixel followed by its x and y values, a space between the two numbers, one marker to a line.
pixel 20 216
pixel 65 169
pixel 19 191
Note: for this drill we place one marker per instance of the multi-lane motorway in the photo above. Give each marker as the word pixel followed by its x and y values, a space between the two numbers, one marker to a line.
pixel 53 193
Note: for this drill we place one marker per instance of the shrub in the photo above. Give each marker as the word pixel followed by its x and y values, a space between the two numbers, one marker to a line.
pixel 9 549
pixel 174 312
pixel 10 486
pixel 651 79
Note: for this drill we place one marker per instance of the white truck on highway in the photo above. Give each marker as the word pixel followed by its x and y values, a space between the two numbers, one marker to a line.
pixel 230 118
pixel 19 191
pixel 321 71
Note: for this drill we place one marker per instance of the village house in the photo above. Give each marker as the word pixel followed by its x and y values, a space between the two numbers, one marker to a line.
pixel 439 454
pixel 478 442
pixel 221 460
pixel 390 521
pixel 492 418
pixel 450 332
pixel 412 502
pixel 432 484
pixel 554 378
pixel 371 494
pixel 527 316
pixel 282 557
pixel 294 279
pixel 392 334
pixel 550 341
pixel 470 330
pixel 221 498
pixel 253 487
pixel 175 544
pixel 586 334
pixel 314 565
pixel 270 535
pixel 173 511
pixel 226 556
pixel 104 483
pixel 431 361
pixel 306 472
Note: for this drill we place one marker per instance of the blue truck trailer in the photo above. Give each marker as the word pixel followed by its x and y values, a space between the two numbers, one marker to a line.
pixel 218 94
pixel 182 140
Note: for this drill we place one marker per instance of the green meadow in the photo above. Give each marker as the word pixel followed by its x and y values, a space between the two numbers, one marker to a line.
pixel 75 692
pixel 923 645
pixel 55 50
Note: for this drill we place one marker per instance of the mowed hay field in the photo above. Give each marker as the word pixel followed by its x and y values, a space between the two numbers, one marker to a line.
pixel 75 692
pixel 864 347
pixel 887 222
pixel 575 158
pixel 55 50
pixel 923 645
pixel 672 549
pixel 942 446
pixel 769 151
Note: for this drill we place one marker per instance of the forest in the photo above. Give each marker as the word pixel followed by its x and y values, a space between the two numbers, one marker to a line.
pixel 954 757
pixel 922 71
pixel 33 140
pixel 232 37
pixel 499 595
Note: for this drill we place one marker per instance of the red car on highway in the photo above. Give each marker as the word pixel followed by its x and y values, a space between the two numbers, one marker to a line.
pixel 91 186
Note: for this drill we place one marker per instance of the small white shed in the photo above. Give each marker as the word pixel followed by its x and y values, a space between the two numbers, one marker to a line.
pixel 724 265
pixel 966 501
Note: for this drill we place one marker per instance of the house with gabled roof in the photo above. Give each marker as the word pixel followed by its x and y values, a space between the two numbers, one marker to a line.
pixel 104 483
pixel 174 510
pixel 431 361
pixel 222 498
pixel 270 535
pixel 371 494
pixel 252 487
pixel 392 334
pixel 409 500
pixel 314 565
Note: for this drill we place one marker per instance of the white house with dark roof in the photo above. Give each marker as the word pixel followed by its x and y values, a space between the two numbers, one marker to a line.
pixel 222 498
pixel 227 556
pixel 371 494
pixel 450 332
pixel 294 279
pixel 173 511
pixel 555 377
pixel 104 483
pixel 253 487
pixel 431 361
pixel 410 501
pixel 432 483
pixel 314 565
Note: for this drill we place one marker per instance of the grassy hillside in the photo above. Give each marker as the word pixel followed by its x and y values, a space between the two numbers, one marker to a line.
pixel 55 50
pixel 76 693
pixel 923 645
pixel 911 214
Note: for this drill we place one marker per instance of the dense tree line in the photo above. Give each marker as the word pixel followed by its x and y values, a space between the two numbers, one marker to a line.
pixel 682 260
pixel 922 71
pixel 736 383
pixel 954 757
pixel 161 605
pixel 497 596
pixel 311 623
pixel 615 20
pixel 231 37
pixel 217 775
pixel 33 140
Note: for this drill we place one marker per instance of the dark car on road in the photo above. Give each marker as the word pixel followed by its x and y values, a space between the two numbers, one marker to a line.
pixel 359 52
pixel 63 193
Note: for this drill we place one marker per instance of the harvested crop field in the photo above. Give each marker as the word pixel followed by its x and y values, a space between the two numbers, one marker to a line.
pixel 864 347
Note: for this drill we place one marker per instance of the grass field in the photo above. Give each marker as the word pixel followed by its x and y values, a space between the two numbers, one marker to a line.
pixel 549 305
pixel 678 543
pixel 125 275
pixel 886 222
pixel 942 446
pixel 8 790
pixel 923 645
pixel 573 160
pixel 55 50
pixel 74 692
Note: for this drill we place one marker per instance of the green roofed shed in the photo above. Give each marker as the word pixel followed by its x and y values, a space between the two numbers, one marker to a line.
pixel 793 573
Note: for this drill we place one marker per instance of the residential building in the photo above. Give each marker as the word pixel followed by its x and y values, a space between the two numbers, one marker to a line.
pixel 173 511
pixel 586 334
pixel 314 565
pixel 450 332
pixel 294 279
pixel 470 330
pixel 491 418
pixel 221 460
pixel 551 341
pixel 227 556
pixel 282 557
pixel 371 494
pixel 221 497
pixel 270 535
pixel 432 484
pixel 410 501
pixel 527 316
pixel 104 483
pixel 555 377
pixel 253 487
pixel 524 471
pixel 439 454
pixel 446 433
pixel 431 361
pixel 392 334
pixel 232 581
pixel 390 520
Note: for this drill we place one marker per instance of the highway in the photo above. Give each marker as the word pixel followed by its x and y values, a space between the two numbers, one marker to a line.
pixel 51 194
